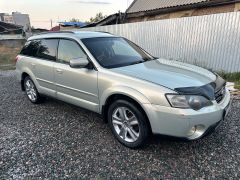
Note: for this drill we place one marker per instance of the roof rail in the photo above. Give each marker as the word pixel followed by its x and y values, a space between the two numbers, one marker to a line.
pixel 55 32
pixel 103 32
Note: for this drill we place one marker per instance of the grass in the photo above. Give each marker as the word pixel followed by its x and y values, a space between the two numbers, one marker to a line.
pixel 232 77
pixel 7 57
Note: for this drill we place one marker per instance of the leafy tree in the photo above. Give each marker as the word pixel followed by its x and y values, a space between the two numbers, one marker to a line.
pixel 74 20
pixel 99 16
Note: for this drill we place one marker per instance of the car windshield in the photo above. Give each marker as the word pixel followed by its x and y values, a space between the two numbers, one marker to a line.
pixel 113 52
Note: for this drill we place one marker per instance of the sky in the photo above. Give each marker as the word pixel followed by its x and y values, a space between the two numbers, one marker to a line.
pixel 41 12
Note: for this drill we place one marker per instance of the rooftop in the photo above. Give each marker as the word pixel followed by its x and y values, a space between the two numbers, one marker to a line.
pixel 8 28
pixel 149 5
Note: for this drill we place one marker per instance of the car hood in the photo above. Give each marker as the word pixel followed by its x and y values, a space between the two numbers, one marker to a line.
pixel 171 74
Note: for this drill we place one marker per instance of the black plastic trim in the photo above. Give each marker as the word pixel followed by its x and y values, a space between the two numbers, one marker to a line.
pixel 207 90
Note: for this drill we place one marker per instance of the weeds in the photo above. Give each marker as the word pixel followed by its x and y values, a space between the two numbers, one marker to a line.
pixel 231 77
pixel 7 57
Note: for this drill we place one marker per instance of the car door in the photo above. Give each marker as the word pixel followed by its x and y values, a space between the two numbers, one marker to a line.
pixel 46 57
pixel 29 56
pixel 75 85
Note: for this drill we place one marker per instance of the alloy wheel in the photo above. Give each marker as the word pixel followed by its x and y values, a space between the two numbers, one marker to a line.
pixel 126 124
pixel 31 90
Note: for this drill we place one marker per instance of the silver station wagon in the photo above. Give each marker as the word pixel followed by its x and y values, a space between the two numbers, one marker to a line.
pixel 137 94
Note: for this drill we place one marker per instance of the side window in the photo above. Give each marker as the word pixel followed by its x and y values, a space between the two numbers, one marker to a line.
pixel 47 49
pixel 68 50
pixel 30 48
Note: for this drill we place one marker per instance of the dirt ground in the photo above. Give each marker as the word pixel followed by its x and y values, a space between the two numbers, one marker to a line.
pixel 7 57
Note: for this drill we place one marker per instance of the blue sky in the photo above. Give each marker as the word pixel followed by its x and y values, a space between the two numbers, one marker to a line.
pixel 42 11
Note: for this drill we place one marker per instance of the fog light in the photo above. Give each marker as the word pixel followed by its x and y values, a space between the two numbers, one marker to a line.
pixel 192 131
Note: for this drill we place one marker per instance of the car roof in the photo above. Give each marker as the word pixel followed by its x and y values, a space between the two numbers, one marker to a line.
pixel 69 34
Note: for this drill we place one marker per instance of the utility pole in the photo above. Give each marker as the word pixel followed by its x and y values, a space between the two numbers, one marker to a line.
pixel 51 24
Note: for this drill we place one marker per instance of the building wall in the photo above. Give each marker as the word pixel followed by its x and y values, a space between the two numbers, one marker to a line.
pixel 188 13
pixel 237 7
pixel 8 19
pixel 23 20
pixel 1 16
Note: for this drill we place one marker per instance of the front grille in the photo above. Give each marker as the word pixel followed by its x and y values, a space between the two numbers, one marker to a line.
pixel 219 95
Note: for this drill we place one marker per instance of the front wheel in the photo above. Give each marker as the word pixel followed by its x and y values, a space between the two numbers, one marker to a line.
pixel 128 124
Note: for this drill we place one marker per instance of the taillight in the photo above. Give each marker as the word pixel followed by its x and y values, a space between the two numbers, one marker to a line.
pixel 16 59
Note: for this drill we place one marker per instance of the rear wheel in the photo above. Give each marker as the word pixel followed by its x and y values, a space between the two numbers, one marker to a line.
pixel 128 124
pixel 31 91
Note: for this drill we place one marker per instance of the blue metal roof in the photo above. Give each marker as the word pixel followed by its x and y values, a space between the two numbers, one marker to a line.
pixel 78 24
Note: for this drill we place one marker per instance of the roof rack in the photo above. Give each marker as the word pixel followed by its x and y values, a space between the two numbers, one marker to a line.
pixel 55 32
pixel 103 32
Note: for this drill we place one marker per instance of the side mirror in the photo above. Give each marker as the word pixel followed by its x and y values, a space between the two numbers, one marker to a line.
pixel 78 63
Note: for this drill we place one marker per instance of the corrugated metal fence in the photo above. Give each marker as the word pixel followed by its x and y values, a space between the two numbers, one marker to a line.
pixel 211 41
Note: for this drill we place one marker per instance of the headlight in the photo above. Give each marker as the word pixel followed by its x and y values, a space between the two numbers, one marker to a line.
pixel 188 101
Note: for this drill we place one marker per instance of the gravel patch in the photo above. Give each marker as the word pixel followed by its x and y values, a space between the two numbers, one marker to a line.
pixel 55 140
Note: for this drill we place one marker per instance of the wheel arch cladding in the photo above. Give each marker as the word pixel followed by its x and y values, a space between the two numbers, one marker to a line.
pixel 23 76
pixel 114 97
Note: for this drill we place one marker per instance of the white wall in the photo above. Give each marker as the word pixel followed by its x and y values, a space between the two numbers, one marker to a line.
pixel 23 20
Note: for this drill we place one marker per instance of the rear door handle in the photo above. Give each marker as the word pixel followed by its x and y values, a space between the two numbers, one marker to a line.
pixel 59 71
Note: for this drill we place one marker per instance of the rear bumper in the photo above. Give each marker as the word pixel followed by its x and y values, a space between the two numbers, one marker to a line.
pixel 18 74
pixel 187 123
pixel 19 79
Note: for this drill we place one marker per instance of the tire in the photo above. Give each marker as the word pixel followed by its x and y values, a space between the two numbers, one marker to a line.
pixel 31 91
pixel 128 124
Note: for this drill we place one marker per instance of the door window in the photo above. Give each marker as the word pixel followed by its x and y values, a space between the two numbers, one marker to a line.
pixel 47 49
pixel 68 50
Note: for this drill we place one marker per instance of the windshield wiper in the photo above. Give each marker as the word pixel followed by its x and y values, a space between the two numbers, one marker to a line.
pixel 137 62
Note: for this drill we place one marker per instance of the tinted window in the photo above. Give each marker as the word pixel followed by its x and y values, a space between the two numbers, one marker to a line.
pixel 68 50
pixel 30 48
pixel 113 52
pixel 47 49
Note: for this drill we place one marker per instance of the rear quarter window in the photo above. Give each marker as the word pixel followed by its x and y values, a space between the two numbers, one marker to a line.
pixel 30 48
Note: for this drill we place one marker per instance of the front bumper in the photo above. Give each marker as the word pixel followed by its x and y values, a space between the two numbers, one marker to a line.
pixel 187 123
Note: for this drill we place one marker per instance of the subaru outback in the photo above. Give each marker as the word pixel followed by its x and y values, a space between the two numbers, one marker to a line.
pixel 137 94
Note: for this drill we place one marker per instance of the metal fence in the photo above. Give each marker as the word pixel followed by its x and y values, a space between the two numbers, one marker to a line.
pixel 211 41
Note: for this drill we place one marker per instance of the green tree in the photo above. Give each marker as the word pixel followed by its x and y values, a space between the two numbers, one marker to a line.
pixel 74 20
pixel 99 16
